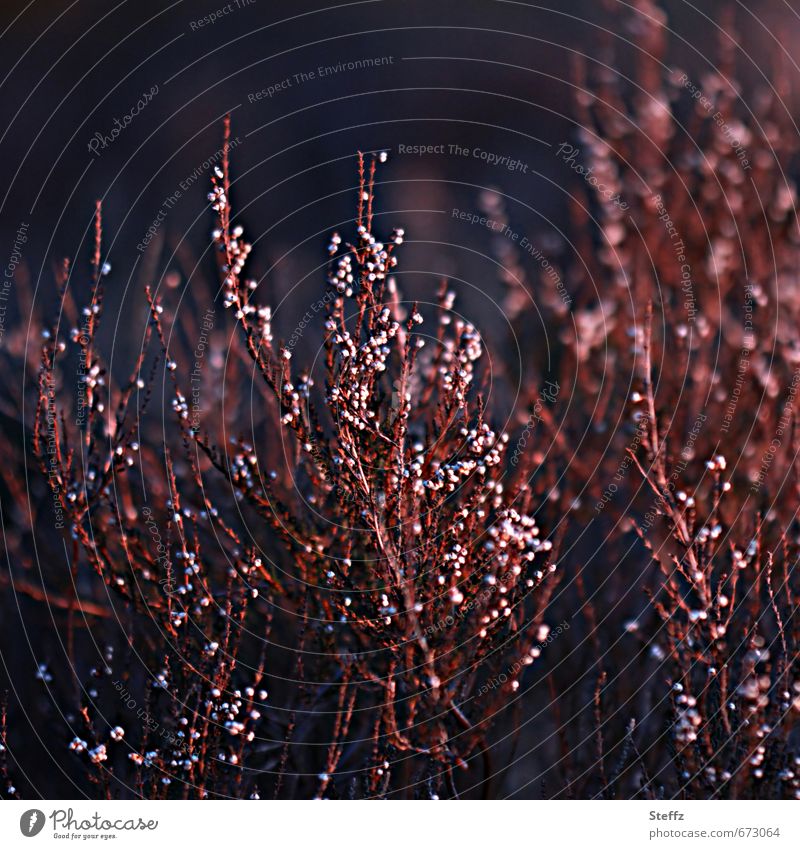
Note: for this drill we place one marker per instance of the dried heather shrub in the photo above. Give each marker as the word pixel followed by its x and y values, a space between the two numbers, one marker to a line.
pixel 426 563
pixel 400 545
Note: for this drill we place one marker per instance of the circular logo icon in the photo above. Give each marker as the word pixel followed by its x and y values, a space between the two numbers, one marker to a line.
pixel 31 822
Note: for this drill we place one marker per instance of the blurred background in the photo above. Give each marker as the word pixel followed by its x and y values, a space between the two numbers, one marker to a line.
pixel 493 76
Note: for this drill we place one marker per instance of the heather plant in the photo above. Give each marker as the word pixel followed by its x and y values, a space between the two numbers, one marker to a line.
pixel 692 277
pixel 400 543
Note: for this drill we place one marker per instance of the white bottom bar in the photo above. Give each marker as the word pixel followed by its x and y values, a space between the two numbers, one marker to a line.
pixel 402 825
